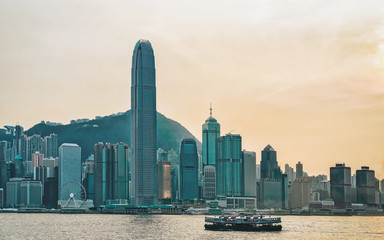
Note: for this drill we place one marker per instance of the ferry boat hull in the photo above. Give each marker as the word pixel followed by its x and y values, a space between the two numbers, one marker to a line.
pixel 243 223
pixel 237 227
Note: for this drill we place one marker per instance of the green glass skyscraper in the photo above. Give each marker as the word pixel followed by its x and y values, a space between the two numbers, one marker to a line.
pixel 188 170
pixel 143 124
pixel 229 166
pixel 211 132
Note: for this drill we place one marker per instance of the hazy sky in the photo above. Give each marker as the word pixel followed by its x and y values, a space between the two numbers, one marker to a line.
pixel 305 76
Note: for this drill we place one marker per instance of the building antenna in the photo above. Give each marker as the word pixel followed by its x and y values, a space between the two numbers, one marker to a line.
pixel 210 110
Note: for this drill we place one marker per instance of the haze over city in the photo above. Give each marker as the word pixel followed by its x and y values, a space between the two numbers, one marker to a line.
pixel 306 77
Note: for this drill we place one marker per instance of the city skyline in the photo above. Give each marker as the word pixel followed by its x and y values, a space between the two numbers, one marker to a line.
pixel 306 78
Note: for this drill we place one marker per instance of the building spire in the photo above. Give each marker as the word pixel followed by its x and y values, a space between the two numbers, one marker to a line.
pixel 210 110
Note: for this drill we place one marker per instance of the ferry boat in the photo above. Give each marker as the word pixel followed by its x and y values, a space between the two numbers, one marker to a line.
pixel 243 223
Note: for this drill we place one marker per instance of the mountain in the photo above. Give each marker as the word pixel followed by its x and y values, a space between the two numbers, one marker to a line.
pixel 113 129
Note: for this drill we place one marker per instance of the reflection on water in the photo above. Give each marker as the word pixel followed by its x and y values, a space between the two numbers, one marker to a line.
pixel 103 226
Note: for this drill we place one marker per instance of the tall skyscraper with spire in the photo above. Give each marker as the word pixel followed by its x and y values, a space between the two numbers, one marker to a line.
pixel 144 124
pixel 211 132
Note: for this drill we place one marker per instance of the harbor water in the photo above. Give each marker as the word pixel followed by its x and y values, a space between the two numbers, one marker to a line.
pixel 111 226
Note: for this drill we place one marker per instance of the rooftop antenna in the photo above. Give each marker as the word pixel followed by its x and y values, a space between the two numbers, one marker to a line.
pixel 210 110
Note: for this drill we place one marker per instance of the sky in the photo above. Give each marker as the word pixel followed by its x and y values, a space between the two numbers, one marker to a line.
pixel 305 76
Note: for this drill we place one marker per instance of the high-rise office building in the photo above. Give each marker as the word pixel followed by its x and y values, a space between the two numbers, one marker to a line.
pixel 51 145
pixel 268 166
pixel 89 180
pixel 300 193
pixel 31 194
pixel 258 173
pixel 23 146
pixel 209 182
pixel 249 161
pixel 299 170
pixel 365 186
pixel 341 185
pixel 50 196
pixel 3 168
pixel 211 132
pixel 19 130
pixel 34 144
pixel 103 171
pixel 50 163
pixel 13 193
pixel 111 173
pixel 19 166
pixel 175 176
pixel 229 166
pixel 8 150
pixel 144 124
pixel 273 193
pixel 37 159
pixel 120 171
pixel 382 185
pixel 69 168
pixel 188 170
pixel 289 171
pixel 164 181
pixel 2 202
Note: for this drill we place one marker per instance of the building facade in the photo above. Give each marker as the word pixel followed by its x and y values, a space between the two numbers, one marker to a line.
pixel 269 167
pixel 110 173
pixel 273 193
pixel 164 181
pixel 300 193
pixel 249 161
pixel 209 182
pixel 365 186
pixel 229 166
pixel 211 132
pixel 69 168
pixel 51 145
pixel 341 185
pixel 144 124
pixel 188 187
pixel 299 170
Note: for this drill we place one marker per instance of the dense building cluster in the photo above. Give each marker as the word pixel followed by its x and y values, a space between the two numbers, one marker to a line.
pixel 35 172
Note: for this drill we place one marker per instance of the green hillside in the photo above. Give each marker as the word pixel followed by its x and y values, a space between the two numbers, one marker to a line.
pixel 113 129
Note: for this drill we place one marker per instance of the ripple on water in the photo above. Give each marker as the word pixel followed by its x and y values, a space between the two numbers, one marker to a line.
pixel 104 226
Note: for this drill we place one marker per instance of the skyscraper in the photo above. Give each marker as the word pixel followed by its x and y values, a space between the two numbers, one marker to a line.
pixel 300 193
pixel 211 132
pixel 34 143
pixel 18 132
pixel 341 185
pixel 120 171
pixel 188 170
pixel 103 171
pixel 209 182
pixel 164 181
pixel 144 124
pixel 268 166
pixel 365 185
pixel 3 168
pixel 299 170
pixel 69 167
pixel 37 159
pixel 229 166
pixel 249 161
pixel 50 145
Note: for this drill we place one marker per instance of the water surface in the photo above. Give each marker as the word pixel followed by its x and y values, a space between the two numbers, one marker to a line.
pixel 103 226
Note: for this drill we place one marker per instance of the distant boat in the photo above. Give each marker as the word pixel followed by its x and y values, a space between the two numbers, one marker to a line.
pixel 243 223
